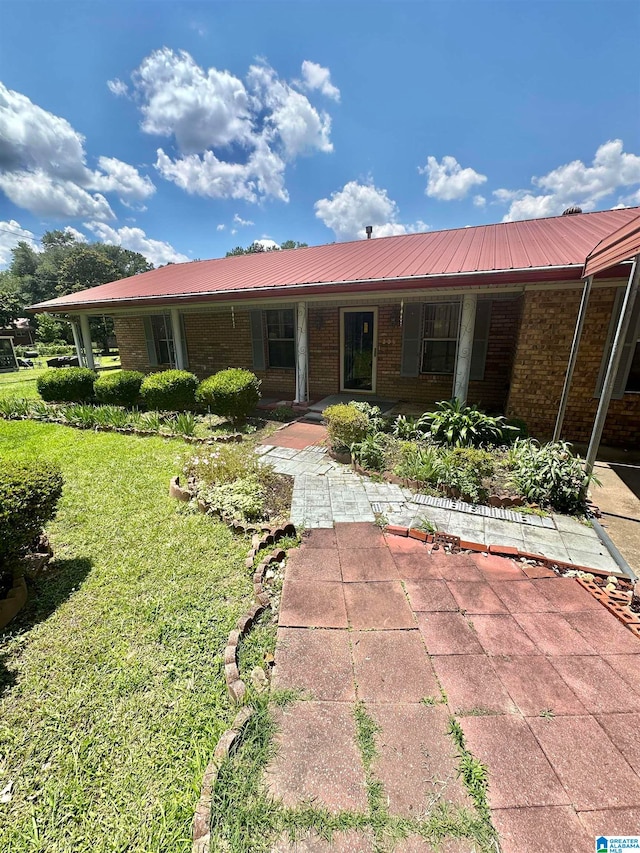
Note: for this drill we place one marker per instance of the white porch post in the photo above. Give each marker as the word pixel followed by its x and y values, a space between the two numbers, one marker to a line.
pixel 77 340
pixel 465 346
pixel 302 353
pixel 86 341
pixel 176 328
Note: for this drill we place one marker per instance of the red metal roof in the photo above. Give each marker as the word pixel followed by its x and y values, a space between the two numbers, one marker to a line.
pixel 437 256
pixel 620 246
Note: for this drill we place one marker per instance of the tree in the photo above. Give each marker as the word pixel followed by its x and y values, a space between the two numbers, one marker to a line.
pixel 83 267
pixel 49 329
pixel 256 248
pixel 10 301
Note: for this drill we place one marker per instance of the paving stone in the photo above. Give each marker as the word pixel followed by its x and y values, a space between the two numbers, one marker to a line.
pixel 447 634
pixel 380 605
pixel 313 564
pixel 430 595
pixel 317 661
pixel 623 730
pixel 588 543
pixel 567 524
pixel 537 571
pixel 501 635
pixel 471 684
pixel 551 550
pixel 341 842
pixel 405 545
pixel 363 535
pixel 392 666
pixel 317 757
pixel 592 771
pixel 610 822
pixel 416 760
pixel 566 595
pixel 519 772
pixel 494 567
pixel 596 685
pixel 627 666
pixel 455 567
pixel 418 565
pixel 475 597
pixel 593 560
pixel 604 632
pixel 521 596
pixel 552 634
pixel 367 564
pixel 306 604
pixel 535 686
pixel 536 829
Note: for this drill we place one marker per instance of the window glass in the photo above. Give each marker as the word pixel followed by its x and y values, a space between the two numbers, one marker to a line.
pixel 281 337
pixel 440 337
pixel 163 339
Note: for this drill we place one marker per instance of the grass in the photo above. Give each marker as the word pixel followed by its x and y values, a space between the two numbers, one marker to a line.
pixel 111 682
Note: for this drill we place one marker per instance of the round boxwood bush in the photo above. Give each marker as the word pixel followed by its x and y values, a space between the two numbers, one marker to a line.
pixel 66 384
pixel 170 390
pixel 121 388
pixel 346 425
pixel 29 494
pixel 233 393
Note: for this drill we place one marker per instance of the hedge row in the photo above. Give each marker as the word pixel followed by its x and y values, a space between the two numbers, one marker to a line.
pixel 233 393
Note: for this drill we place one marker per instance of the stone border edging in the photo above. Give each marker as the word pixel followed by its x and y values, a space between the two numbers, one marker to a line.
pixel 615 603
pixel 201 825
pixel 14 601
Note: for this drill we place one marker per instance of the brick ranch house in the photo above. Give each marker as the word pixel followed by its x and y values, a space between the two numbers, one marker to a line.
pixel 484 313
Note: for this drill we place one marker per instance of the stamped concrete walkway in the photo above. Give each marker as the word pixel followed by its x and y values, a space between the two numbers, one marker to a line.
pixel 544 682
pixel 325 492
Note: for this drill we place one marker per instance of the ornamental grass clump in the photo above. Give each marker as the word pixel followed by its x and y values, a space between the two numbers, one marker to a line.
pixel 119 389
pixel 232 393
pixel 550 475
pixel 66 384
pixel 169 390
pixel 29 495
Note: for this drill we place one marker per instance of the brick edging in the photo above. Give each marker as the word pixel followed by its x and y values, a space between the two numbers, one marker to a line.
pixel 236 687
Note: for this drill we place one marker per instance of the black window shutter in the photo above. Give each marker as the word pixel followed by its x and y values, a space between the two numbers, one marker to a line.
pixel 411 339
pixel 257 340
pixel 151 345
pixel 480 340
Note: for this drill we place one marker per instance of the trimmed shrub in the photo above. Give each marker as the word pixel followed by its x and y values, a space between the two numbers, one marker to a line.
pixel 66 384
pixel 121 388
pixel 170 390
pixel 233 393
pixel 29 494
pixel 346 425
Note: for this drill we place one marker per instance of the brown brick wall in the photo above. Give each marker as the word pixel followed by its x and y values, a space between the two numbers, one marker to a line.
pixel 213 343
pixel 544 343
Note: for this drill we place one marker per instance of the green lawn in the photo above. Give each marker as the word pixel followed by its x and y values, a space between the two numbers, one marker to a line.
pixel 111 686
pixel 22 383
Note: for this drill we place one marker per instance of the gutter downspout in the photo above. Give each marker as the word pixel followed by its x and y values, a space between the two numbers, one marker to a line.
pixel 614 362
pixel 586 293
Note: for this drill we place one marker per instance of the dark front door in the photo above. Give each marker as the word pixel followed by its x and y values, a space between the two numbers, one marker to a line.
pixel 359 350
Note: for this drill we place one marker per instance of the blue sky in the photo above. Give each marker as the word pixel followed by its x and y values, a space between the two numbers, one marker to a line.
pixel 167 127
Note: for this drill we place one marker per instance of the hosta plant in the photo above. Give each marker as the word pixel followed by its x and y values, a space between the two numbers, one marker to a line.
pixel 457 425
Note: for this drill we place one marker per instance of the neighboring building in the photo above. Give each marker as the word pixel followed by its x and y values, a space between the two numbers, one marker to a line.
pixel 21 332
pixel 484 313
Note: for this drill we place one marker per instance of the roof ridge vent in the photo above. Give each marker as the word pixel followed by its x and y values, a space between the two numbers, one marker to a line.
pixel 571 211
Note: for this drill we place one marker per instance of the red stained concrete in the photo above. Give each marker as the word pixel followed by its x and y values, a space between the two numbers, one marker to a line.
pixel 527 644
pixel 297 436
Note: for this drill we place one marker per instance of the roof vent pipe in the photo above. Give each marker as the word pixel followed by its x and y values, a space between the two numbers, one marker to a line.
pixel 369 230
pixel 571 211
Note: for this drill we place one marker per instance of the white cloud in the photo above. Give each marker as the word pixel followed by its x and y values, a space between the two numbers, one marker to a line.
pixel 479 201
pixel 220 227
pixel 355 206
pixel 123 179
pixel 267 244
pixel 117 87
pixel 447 180
pixel 574 183
pixel 135 239
pixel 314 76
pixel 78 236
pixel 240 221
pixel 43 165
pixel 12 233
pixel 234 137
pixel 45 196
